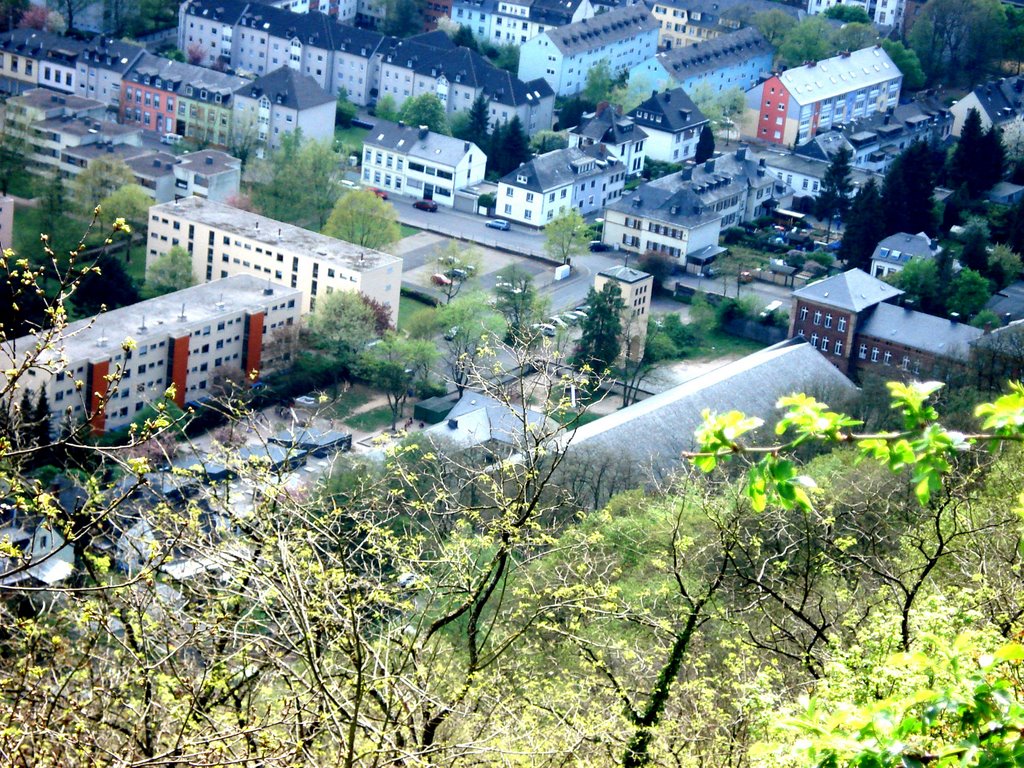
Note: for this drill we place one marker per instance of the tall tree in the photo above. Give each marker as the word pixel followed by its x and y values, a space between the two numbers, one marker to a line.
pixel 53 203
pixel 517 300
pixel 460 263
pixel 773 24
pixel 426 109
pixel 468 327
pixel 601 339
pixel 565 236
pixel 705 144
pixel 966 163
pixel 975 239
pixel 341 325
pixel 908 191
pixel 968 293
pixel 386 109
pixel 850 14
pixel 109 287
pixel 510 146
pixel 304 182
pixel 360 217
pixel 478 127
pixel 907 62
pixel 402 18
pixel 865 227
pixel 599 83
pixel 105 175
pixel 919 281
pixel 834 197
pixel 169 273
pixel 810 40
pixel 463 38
pixel 958 40
pixel 395 365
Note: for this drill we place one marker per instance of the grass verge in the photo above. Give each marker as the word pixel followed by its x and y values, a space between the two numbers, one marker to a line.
pixel 372 420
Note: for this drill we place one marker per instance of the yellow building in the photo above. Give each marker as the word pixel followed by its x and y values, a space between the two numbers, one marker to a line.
pixel 635 287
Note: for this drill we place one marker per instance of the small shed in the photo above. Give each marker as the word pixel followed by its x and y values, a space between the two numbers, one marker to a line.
pixel 434 409
pixel 314 441
pixel 275 456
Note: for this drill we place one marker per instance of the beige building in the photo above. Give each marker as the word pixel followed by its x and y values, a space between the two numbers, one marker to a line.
pixel 227 241
pixel 6 222
pixel 636 288
pixel 186 339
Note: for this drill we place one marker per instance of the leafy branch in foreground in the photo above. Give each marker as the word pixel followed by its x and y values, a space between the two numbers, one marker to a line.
pixel 923 446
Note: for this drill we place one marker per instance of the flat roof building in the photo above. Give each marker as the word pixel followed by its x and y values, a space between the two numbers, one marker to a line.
pixel 183 339
pixel 227 241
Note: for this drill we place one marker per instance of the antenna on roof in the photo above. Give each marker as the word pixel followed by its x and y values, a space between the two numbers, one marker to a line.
pixel 182 315
pixel 220 302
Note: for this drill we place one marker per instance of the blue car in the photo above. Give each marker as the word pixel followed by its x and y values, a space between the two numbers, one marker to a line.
pixel 504 226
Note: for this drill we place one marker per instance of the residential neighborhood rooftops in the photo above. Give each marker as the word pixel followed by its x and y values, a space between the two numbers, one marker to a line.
pixel 478 418
pixel 849 71
pixel 177 74
pixel 44 99
pixel 624 274
pixel 257 227
pixel 561 167
pixel 719 52
pixel 902 247
pixel 287 87
pixel 941 337
pixel 853 290
pixel 603 29
pixel 1001 99
pixel 606 125
pixel 671 111
pixel 418 142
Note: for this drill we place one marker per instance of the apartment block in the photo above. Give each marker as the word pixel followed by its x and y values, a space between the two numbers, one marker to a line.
pixel 226 241
pixel 803 101
pixel 513 23
pixel 690 22
pixel 280 103
pixel 187 339
pixel 636 288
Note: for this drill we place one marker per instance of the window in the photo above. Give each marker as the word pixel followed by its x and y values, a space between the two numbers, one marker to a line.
pixel 887 358
pixel 863 352
pixel 874 354
pixel 814 340
pixel 838 347
pixel 803 313
pixel 824 344
pixel 817 318
pixel 828 320
pixel 841 324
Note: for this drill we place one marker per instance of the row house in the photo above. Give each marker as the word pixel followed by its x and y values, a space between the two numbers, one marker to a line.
pixel 207 173
pixel 165 96
pixel 181 340
pixel 681 215
pixel 796 105
pixel 502 22
pixel 673 125
pixel 617 132
pixel 735 60
pixel 225 241
pixel 417 161
pixel 587 179
pixel 804 176
pixel 853 320
pixel 623 38
pixel 884 13
pixel 282 102
pixel 684 23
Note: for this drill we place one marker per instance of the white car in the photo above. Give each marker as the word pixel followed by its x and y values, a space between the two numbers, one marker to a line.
pixel 307 401
pixel 556 320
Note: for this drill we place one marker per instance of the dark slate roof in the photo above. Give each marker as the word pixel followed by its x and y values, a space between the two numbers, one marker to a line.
pixel 603 29
pixel 287 87
pixel 672 111
pixel 553 13
pixel 917 330
pixel 624 274
pixel 1002 99
pixel 560 167
pixel 177 75
pixel 607 126
pixel 434 54
pixel 1009 302
pixel 114 55
pixel 902 247
pixel 854 290
pixel 717 53
pixel 711 10
pixel 37 44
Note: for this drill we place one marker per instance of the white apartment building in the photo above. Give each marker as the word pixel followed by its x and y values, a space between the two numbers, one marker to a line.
pixel 886 13
pixel 417 161
pixel 226 241
pixel 547 186
pixel 280 103
pixel 672 123
pixel 184 339
pixel 502 22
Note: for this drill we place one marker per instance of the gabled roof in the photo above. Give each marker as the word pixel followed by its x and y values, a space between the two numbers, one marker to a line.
pixel 607 126
pixel 671 111
pixel 434 54
pixel 1008 303
pixel 928 333
pixel 718 53
pixel 624 274
pixel 419 143
pixel 287 87
pixel 902 247
pixel 37 43
pixel 854 290
pixel 562 167
pixel 177 76
pixel 1001 99
pixel 604 29
pixel 114 55
pixel 847 72
pixel 553 13
pixel 478 418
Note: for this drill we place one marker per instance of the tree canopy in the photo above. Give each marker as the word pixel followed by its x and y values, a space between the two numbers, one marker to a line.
pixel 426 109
pixel 360 217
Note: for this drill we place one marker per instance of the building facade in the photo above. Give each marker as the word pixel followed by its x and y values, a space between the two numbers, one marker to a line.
pixel 735 60
pixel 793 107
pixel 280 103
pixel 690 22
pixel 617 132
pixel 549 185
pixel 226 241
pixel 417 161
pixel 624 38
pixel 239 325
pixel 672 123
pixel 501 22
pixel 997 102
pixel 636 289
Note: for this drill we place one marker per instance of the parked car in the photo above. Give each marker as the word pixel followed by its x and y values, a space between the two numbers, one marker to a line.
pixel 457 274
pixel 438 279
pixel 378 192
pixel 501 224
pixel 556 320
pixel 545 328
pixel 583 309
pixel 573 317
pixel 746 277
pixel 348 184
pixel 425 205
pixel 596 246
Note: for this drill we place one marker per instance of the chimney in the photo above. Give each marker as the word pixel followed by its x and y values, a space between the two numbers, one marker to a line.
pixel 709 165
pixel 954 317
pixel 209 160
pixel 257 226
pixel 601 107
pixel 424 132
pixel 686 174
pixel 401 123
pixel 741 152
pixel 465 146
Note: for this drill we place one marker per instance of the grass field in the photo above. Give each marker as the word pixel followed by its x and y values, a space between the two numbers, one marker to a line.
pixel 719 343
pixel 350 138
pixel 348 401
pixel 407 307
pixel 371 421
pixel 408 231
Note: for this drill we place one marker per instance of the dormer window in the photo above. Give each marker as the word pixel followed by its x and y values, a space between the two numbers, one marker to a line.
pixel 202 94
pixel 521 179
pixel 216 98
pixel 188 90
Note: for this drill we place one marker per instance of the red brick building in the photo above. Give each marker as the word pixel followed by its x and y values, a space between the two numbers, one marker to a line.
pixel 854 321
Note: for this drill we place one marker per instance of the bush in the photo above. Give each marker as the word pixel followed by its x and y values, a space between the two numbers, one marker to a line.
pixel 825 259
pixel 488 201
pixel 733 235
pixel 430 388
pixel 737 309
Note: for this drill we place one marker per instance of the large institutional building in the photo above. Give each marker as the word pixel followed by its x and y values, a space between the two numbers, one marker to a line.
pixel 225 241
pixel 184 339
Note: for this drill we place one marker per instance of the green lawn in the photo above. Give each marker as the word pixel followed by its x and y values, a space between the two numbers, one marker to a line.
pixel 408 231
pixel 350 138
pixel 407 307
pixel 719 343
pixel 347 402
pixel 64 234
pixel 573 419
pixel 371 421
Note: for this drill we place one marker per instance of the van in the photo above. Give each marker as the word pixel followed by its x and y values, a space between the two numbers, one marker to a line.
pixel 170 138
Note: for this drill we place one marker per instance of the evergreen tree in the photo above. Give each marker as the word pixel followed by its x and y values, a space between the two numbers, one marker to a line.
pixel 1015 227
pixel 865 227
pixel 463 37
pixel 479 122
pixel 511 146
pixel 601 340
pixel 111 288
pixel 968 166
pixel 834 197
pixel 993 158
pixel 974 254
pixel 705 144
pixel 495 153
pixel 907 194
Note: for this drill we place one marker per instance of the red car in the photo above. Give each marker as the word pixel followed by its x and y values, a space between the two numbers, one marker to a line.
pixel 378 192
pixel 425 205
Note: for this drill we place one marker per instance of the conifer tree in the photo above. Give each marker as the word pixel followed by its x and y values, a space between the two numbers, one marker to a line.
pixel 705 144
pixel 479 122
pixel 865 227
pixel 907 194
pixel 834 197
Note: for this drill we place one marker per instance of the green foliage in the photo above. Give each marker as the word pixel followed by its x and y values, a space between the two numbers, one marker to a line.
pixel 810 40
pixel 907 62
pixel 107 286
pixel 304 183
pixel 362 218
pixel 774 25
pixel 848 13
pixel 599 83
pixel 919 280
pixel 168 273
pixel 705 144
pixel 344 110
pixel 908 189
pixel 105 175
pixel 566 236
pixel 342 325
pixel 958 40
pixel 969 293
pixel 396 365
pixel 548 141
pixel 386 109
pixel 426 109
pixel 601 332
pixel 836 186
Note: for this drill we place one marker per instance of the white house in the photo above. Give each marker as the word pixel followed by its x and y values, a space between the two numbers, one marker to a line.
pixel 417 161
pixel 281 102
pixel 585 178
pixel 672 123
pixel 504 22
pixel 619 133
pixel 624 38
